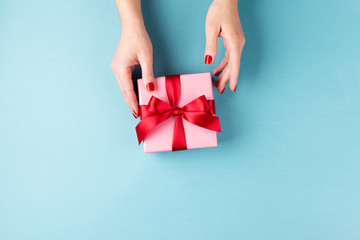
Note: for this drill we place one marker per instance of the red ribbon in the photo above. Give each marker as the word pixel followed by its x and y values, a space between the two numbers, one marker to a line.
pixel 199 112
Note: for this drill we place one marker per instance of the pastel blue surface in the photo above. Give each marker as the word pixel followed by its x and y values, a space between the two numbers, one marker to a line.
pixel 288 161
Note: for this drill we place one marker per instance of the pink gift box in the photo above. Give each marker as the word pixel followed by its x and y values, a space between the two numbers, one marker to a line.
pixel 192 86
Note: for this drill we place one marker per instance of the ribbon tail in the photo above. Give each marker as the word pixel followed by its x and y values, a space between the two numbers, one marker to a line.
pixel 179 140
pixel 148 123
pixel 204 120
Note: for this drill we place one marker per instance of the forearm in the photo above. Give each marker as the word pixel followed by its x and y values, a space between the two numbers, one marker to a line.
pixel 226 1
pixel 130 12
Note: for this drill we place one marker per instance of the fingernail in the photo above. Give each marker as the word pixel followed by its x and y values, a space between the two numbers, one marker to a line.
pixel 150 86
pixel 216 83
pixel 134 114
pixel 217 74
pixel 235 88
pixel 222 91
pixel 208 59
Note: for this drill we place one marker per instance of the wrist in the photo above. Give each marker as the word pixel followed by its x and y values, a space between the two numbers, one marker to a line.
pixel 135 24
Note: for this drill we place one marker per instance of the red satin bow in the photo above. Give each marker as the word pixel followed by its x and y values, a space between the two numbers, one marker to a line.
pixel 198 112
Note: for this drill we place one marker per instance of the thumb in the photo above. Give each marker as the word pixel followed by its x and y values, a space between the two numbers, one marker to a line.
pixel 146 63
pixel 212 34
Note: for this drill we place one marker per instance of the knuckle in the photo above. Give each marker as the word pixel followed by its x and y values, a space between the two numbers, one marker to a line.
pixel 148 50
pixel 210 27
pixel 114 66
pixel 236 39
pixel 209 23
pixel 242 41
pixel 121 70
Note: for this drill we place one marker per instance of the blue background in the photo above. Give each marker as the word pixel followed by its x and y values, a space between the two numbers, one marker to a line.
pixel 288 161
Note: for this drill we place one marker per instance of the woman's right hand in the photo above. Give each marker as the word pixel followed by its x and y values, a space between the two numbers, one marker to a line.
pixel 134 48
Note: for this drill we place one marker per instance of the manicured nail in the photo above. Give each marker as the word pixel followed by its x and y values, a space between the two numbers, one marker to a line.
pixel 222 91
pixel 134 114
pixel 216 74
pixel 208 59
pixel 216 83
pixel 235 88
pixel 150 86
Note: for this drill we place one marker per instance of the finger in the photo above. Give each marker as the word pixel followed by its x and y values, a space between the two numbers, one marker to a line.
pixel 222 80
pixel 123 77
pixel 221 66
pixel 212 34
pixel 234 62
pixel 146 62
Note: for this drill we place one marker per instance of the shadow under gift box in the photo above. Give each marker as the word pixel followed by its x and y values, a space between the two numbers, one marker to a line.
pixel 160 138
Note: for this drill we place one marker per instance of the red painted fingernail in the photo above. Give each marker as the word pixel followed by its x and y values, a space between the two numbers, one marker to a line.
pixel 150 86
pixel 235 88
pixel 216 83
pixel 222 91
pixel 208 59
pixel 217 74
pixel 134 114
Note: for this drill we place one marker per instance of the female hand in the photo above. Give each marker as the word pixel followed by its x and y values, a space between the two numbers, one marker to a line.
pixel 223 20
pixel 134 48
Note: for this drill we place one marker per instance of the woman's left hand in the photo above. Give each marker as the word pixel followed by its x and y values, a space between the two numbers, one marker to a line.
pixel 223 20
